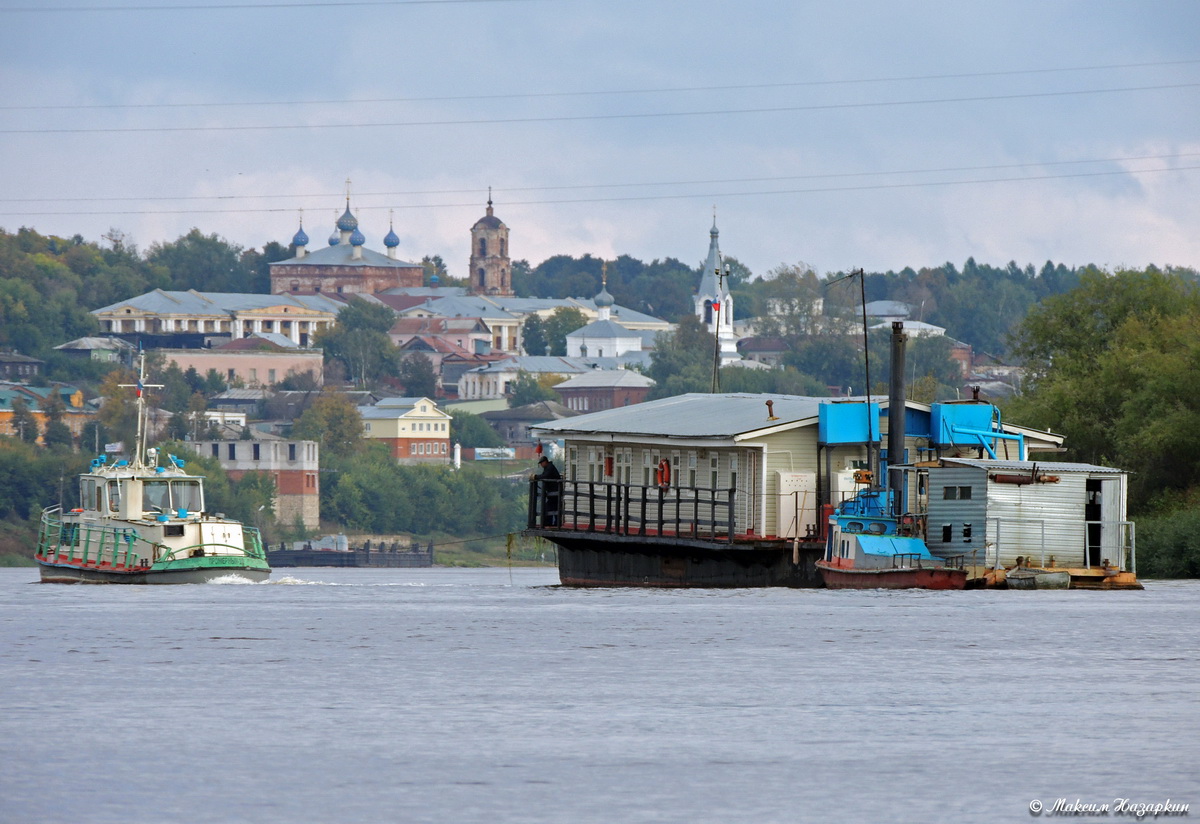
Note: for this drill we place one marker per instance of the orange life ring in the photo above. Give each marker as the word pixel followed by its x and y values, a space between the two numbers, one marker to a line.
pixel 663 474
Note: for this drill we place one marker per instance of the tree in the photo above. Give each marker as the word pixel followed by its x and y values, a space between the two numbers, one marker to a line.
pixel 470 430
pixel 561 323
pixel 682 360
pixel 359 341
pixel 206 263
pixel 23 422
pixel 57 433
pixel 1113 367
pixel 332 420
pixel 528 388
pixel 417 375
pixel 533 335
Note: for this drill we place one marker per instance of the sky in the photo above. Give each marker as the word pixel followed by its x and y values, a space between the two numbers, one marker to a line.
pixel 838 135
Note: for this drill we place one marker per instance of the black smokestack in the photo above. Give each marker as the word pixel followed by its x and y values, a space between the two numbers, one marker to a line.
pixel 896 417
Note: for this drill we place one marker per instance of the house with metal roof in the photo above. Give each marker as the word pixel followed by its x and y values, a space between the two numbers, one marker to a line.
pixel 194 320
pixel 414 429
pixel 604 389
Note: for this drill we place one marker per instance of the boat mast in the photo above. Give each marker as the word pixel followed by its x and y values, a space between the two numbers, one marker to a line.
pixel 140 400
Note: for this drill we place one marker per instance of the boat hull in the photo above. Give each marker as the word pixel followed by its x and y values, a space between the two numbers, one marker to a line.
pixel 176 573
pixel 675 563
pixel 908 578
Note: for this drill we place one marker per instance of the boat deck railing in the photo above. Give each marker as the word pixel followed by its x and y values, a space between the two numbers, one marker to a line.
pixel 1117 544
pixel 632 509
pixel 121 547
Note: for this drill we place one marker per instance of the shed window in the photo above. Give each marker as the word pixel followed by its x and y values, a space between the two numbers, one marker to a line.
pixel 956 493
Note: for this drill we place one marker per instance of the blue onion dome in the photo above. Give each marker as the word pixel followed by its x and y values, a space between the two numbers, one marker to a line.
pixel 335 238
pixel 347 222
pixel 300 238
pixel 433 280
pixel 356 238
pixel 604 298
pixel 391 240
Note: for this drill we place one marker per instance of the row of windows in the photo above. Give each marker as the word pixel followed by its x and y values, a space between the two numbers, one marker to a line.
pixel 685 469
pixel 256 451
pixel 428 448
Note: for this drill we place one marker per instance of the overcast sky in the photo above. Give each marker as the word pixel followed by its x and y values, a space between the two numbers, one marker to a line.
pixel 842 134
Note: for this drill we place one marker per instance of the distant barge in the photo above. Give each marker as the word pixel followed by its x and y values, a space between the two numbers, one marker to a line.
pixel 380 555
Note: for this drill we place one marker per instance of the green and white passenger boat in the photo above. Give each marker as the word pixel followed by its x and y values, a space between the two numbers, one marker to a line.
pixel 139 522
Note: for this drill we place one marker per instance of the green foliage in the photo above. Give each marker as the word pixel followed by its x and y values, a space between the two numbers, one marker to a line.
pixel 417 375
pixel 527 388
pixel 1114 365
pixel 470 430
pixel 32 478
pixel 660 288
pixel 364 314
pixel 561 323
pixel 206 263
pixel 374 494
pixel 533 335
pixel 333 421
pixel 682 360
pixel 1168 546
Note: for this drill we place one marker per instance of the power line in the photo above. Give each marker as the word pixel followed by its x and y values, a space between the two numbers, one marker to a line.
pixel 630 198
pixel 593 93
pixel 596 117
pixel 317 4
pixel 624 185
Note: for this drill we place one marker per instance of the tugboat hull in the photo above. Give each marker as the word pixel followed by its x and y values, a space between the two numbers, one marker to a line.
pixel 909 578
pixel 215 568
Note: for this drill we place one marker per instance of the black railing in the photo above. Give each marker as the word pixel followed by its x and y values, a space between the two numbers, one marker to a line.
pixel 632 509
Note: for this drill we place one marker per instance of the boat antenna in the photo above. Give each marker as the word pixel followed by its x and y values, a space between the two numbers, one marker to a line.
pixel 862 291
pixel 140 399
pixel 716 307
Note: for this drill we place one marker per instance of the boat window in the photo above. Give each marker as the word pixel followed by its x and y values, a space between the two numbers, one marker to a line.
pixel 854 526
pixel 187 495
pixel 87 495
pixel 155 496
pixel 114 496
pixel 876 528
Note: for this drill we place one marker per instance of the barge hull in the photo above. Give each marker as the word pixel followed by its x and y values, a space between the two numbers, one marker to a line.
pixel 624 562
pixel 893 578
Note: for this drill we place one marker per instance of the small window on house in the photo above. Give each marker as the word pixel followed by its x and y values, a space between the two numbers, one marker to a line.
pixel 966 532
pixel 291 452
pixel 947 533
pixel 216 450
pixel 257 450
pixel 964 493
pixel 233 452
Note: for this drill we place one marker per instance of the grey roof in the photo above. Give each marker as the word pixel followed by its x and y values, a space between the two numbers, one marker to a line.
pixel 694 416
pixel 1028 466
pixel 95 343
pixel 343 255
pixel 605 378
pixel 192 302
pixel 277 339
pixel 536 411
pixel 243 395
pixel 603 329
pixel 427 291
pixel 465 306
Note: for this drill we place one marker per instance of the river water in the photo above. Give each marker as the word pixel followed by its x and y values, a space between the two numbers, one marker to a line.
pixel 490 695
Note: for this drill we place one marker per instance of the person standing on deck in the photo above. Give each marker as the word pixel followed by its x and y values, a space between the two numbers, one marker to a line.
pixel 551 485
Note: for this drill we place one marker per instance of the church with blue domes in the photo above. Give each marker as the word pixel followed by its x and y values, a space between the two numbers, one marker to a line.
pixel 345 266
